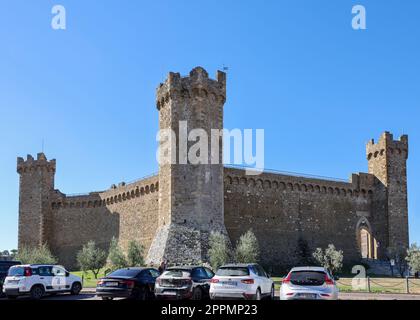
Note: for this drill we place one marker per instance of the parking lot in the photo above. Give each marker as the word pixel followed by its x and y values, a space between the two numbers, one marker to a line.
pixel 89 295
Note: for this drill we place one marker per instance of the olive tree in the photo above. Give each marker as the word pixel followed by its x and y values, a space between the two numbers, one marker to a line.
pixel 247 248
pixel 218 251
pixel 135 254
pixel 330 258
pixel 116 258
pixel 91 258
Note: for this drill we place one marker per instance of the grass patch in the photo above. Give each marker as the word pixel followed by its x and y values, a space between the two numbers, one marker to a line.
pixel 377 285
pixel 88 277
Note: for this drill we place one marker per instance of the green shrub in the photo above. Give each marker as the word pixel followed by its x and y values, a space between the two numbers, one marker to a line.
pixel 135 254
pixel 413 258
pixel 116 258
pixel 37 255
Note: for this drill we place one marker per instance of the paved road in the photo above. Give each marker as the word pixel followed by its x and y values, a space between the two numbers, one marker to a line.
pixel 90 295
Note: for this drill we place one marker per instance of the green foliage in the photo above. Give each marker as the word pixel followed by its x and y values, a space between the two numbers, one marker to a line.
pixel 329 258
pixel 37 255
pixel 218 251
pixel 247 249
pixel 135 254
pixel 116 257
pixel 413 258
pixel 91 258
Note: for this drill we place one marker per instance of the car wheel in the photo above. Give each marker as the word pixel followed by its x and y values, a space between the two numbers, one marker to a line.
pixel 258 295
pixel 37 292
pixel 75 289
pixel 197 294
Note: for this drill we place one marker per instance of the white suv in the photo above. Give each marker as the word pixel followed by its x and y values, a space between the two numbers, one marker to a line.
pixel 241 281
pixel 39 280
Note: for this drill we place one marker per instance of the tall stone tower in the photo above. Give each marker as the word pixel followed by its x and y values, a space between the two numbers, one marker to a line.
pixel 388 162
pixel 190 192
pixel 35 186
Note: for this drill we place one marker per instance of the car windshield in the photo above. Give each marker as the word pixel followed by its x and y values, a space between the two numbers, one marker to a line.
pixel 124 273
pixel 177 273
pixel 233 272
pixel 16 272
pixel 307 278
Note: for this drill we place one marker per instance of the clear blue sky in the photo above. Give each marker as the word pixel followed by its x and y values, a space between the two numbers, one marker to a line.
pixel 296 69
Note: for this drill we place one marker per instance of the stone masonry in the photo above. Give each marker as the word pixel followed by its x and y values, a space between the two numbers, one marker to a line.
pixel 173 213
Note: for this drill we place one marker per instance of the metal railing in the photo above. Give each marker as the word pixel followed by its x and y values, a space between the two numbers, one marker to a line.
pixel 287 173
pixel 73 195
pixel 381 285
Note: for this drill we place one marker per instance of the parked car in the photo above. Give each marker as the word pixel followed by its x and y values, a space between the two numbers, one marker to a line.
pixel 39 280
pixel 309 283
pixel 4 268
pixel 241 281
pixel 188 282
pixel 134 283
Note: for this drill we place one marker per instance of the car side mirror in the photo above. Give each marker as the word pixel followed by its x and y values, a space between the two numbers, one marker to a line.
pixel 67 274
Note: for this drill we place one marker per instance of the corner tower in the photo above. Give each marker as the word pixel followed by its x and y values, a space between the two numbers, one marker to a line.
pixel 388 162
pixel 190 192
pixel 35 185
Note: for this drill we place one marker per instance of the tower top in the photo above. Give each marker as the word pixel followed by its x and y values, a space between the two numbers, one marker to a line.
pixel 197 84
pixel 30 163
pixel 387 145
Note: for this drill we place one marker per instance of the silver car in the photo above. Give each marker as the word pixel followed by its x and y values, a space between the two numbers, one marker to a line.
pixel 309 283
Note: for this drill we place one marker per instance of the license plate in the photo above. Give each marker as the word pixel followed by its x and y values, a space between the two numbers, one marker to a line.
pixel 170 293
pixel 229 283
pixel 111 284
pixel 307 296
pixel 13 282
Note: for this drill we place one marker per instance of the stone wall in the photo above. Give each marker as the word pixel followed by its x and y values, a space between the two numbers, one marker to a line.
pixel 128 212
pixel 292 216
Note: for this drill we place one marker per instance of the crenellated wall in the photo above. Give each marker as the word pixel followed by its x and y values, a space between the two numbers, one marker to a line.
pixel 292 216
pixel 128 212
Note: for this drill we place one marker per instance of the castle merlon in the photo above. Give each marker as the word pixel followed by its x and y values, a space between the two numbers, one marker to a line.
pixel 197 85
pixel 30 163
pixel 387 143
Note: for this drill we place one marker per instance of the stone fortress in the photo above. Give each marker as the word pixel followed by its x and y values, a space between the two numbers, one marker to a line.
pixel 172 213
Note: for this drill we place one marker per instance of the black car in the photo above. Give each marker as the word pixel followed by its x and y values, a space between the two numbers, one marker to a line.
pixel 4 268
pixel 133 283
pixel 187 282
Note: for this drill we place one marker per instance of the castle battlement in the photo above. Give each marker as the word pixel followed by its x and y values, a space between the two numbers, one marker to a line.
pixel 197 85
pixel 386 143
pixel 31 164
